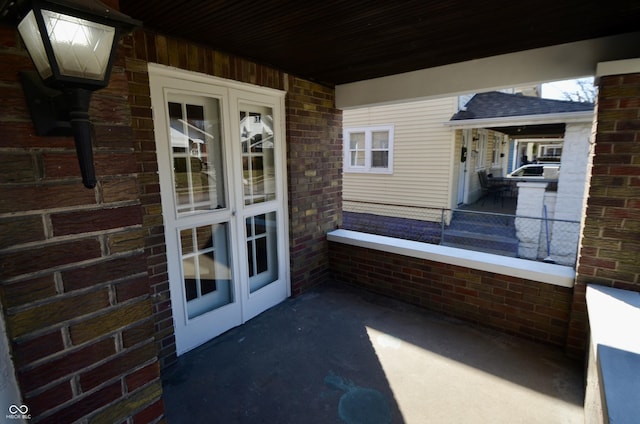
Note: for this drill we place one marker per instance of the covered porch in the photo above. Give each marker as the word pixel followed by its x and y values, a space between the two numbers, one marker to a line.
pixel 342 354
pixel 87 323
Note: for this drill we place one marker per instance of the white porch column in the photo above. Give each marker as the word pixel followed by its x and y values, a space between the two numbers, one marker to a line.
pixel 572 192
pixel 530 204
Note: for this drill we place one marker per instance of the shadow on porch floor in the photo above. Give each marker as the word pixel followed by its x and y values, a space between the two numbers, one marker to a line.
pixel 338 354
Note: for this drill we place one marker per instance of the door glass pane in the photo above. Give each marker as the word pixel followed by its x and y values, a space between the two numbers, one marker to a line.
pixel 262 254
pixel 206 265
pixel 196 153
pixel 258 168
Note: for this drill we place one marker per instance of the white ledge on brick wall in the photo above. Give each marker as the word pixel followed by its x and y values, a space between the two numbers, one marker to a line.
pixel 558 275
pixel 614 319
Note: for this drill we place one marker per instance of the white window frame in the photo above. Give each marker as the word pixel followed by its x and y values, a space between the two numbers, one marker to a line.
pixel 368 149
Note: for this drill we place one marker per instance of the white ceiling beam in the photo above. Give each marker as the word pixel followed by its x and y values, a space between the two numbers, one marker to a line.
pixel 530 67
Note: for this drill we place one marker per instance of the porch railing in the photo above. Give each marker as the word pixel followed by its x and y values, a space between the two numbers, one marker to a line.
pixel 527 237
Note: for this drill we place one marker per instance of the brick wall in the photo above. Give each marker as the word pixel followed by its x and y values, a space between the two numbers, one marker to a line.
pixel 610 253
pixel 74 285
pixel 314 162
pixel 522 307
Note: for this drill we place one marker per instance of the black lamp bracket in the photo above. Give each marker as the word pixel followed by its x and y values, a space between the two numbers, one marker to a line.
pixel 62 112
pixel 49 107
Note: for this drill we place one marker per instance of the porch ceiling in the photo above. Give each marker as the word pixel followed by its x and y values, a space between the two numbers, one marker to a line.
pixel 337 41
pixel 531 131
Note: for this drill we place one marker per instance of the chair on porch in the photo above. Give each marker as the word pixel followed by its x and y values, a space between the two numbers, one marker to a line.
pixel 490 187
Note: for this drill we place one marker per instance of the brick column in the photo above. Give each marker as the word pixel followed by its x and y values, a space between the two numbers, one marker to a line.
pixel 314 156
pixel 610 248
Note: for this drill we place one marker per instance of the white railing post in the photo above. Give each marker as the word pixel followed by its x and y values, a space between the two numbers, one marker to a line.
pixel 530 204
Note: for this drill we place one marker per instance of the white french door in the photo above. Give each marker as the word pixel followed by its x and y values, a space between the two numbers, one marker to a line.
pixel 220 149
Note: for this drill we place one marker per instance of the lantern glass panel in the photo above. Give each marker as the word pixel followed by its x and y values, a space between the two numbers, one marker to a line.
pixel 30 34
pixel 81 47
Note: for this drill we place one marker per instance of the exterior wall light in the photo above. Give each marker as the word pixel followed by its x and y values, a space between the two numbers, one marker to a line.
pixel 72 44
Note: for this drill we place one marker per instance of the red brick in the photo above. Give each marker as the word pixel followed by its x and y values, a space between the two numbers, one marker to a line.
pixel 137 334
pixel 49 399
pixel 28 291
pixel 117 366
pixel 18 230
pixel 65 365
pixel 66 223
pixel 120 190
pixel 40 347
pixel 18 168
pixel 130 289
pixel 113 319
pixel 41 197
pixel 553 312
pixel 113 137
pixel 598 262
pixel 13 106
pixel 115 164
pixel 49 256
pixel 85 405
pixel 467 292
pixel 103 272
pixel 60 309
pixel 149 414
pixel 143 376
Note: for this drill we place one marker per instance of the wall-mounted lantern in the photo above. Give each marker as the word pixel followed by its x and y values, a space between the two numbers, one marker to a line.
pixel 72 44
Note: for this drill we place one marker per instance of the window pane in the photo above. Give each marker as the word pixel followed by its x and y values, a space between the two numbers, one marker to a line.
pixel 356 141
pixel 380 140
pixel 196 148
pixel 262 253
pixel 206 268
pixel 357 158
pixel 186 241
pixel 380 159
pixel 261 224
pixel 258 155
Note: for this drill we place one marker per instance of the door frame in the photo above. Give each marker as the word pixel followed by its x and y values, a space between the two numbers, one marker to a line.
pixel 463 171
pixel 228 90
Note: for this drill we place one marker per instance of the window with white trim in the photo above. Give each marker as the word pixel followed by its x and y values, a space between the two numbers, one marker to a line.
pixel 369 149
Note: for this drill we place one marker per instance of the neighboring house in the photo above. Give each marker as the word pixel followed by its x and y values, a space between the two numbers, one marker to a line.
pixel 535 128
pixel 433 158
pixel 415 175
pixel 503 131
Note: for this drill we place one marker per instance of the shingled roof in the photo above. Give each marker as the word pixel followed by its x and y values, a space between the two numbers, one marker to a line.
pixel 495 104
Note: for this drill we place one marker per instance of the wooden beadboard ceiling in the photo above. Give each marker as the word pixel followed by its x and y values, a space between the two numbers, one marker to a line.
pixel 335 41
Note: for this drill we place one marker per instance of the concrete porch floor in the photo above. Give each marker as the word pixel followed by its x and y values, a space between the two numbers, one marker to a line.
pixel 342 355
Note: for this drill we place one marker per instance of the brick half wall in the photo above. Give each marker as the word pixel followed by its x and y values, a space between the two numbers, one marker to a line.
pixel 513 305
